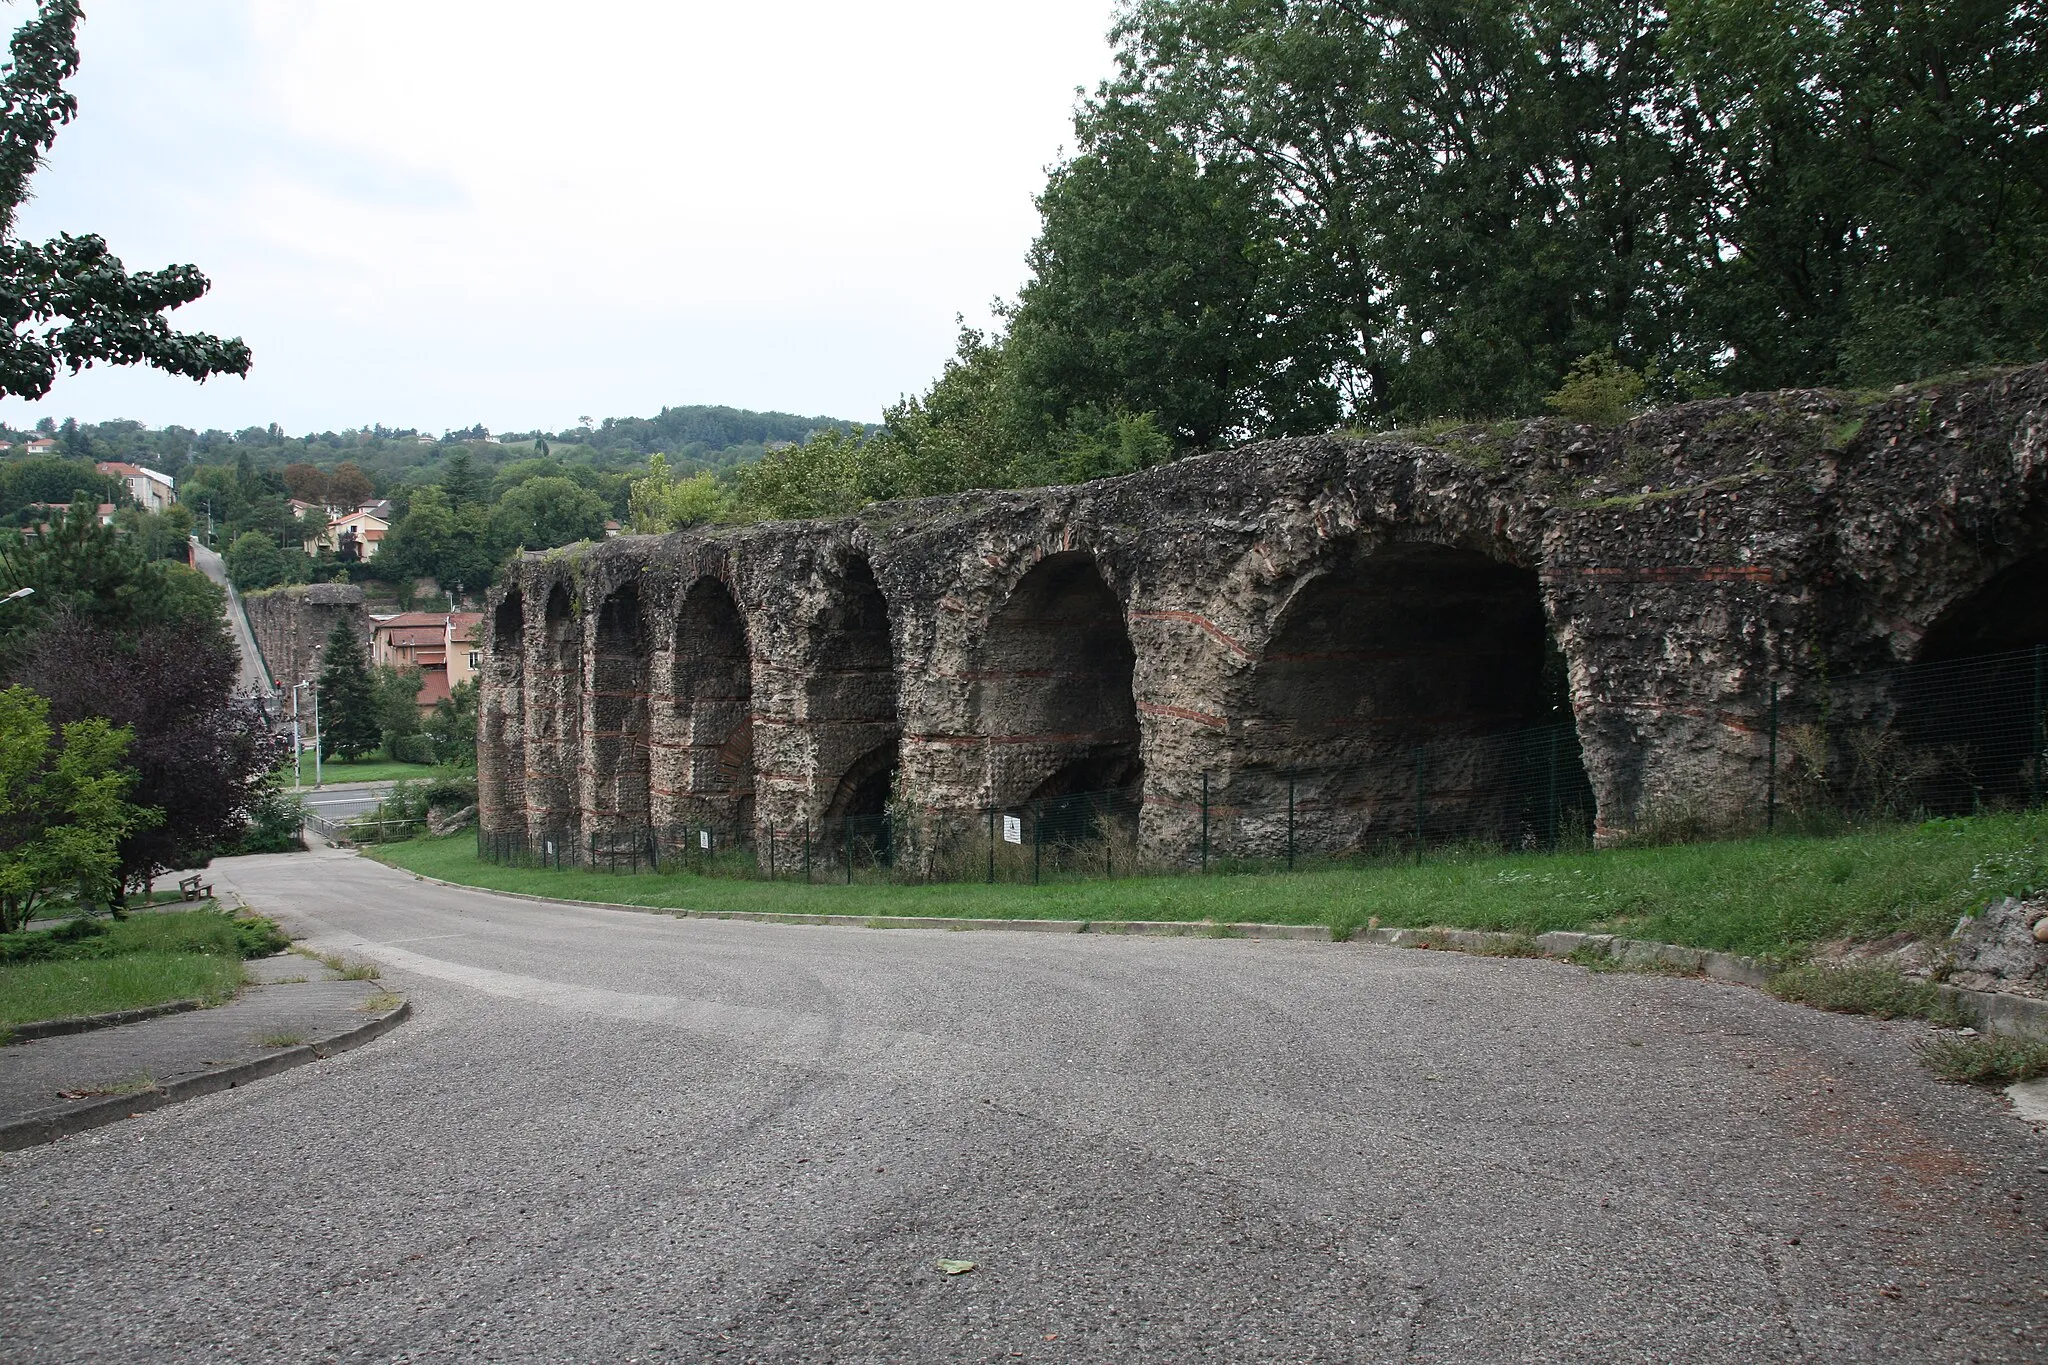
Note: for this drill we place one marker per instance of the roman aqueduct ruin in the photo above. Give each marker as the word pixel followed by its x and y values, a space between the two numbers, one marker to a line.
pixel 1303 611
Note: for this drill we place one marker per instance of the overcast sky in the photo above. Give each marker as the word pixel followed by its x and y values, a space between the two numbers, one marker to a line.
pixel 432 213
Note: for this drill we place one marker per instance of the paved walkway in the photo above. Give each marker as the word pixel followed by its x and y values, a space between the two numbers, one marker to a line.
pixel 615 1136
pixel 52 1076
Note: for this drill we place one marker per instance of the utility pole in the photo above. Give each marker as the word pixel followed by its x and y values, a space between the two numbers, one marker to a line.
pixel 315 688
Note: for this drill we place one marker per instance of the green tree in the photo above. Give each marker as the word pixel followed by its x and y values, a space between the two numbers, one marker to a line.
pixel 396 692
pixel 453 725
pixel 255 561
pixel 460 480
pixel 350 723
pixel 829 475
pixel 63 807
pixel 661 502
pixel 89 571
pixel 45 478
pixel 543 513
pixel 69 301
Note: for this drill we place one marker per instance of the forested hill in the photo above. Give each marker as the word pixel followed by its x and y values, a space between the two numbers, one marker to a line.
pixel 693 437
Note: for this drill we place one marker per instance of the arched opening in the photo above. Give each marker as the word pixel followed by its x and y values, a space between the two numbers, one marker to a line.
pixel 1052 695
pixel 618 793
pixel 501 760
pixel 713 699
pixel 850 707
pixel 1970 716
pixel 558 719
pixel 1414 691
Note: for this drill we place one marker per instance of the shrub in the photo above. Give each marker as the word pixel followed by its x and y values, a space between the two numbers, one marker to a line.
pixel 415 748
pixel 1599 389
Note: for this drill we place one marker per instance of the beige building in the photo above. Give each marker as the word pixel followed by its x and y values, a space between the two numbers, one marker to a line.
pixel 443 646
pixel 352 536
pixel 155 492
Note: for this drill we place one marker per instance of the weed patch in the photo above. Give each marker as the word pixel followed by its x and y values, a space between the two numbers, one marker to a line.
pixel 1997 1061
pixel 282 1039
pixel 137 1084
pixel 1877 991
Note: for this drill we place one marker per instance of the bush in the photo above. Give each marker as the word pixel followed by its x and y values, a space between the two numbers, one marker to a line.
pixel 276 819
pixel 412 748
pixel 257 936
pixel 409 802
pixel 190 931
pixel 1599 389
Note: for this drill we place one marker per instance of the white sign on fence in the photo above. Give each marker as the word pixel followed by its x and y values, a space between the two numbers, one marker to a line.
pixel 1013 829
pixel 704 839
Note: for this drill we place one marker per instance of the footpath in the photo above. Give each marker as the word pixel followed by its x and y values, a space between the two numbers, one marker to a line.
pixel 296 1011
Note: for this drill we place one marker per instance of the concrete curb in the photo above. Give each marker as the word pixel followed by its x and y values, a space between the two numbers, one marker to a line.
pixel 95 1113
pixel 11 1034
pixel 1995 1012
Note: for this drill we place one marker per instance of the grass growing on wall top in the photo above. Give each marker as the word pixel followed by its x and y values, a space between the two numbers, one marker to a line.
pixel 1765 896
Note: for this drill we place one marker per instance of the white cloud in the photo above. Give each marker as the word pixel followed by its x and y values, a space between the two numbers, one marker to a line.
pixel 436 212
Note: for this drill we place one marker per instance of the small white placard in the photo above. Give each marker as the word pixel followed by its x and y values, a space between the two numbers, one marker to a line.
pixel 1013 829
pixel 704 838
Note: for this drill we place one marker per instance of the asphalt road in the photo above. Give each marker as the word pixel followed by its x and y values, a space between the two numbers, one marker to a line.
pixel 612 1136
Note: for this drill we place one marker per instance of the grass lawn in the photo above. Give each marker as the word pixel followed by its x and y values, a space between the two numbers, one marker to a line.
pixel 145 959
pixel 1764 896
pixel 368 770
pixel 52 990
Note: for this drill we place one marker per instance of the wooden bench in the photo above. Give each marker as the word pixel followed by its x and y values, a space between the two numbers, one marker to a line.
pixel 191 889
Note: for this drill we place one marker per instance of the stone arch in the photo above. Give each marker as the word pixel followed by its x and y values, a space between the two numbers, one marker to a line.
pixel 850 694
pixel 710 777
pixel 1971 714
pixel 555 709
pixel 501 756
pixel 617 797
pixel 1393 665
pixel 1052 687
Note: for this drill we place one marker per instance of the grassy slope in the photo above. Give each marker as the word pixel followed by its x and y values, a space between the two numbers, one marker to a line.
pixel 148 959
pixel 53 990
pixel 1758 896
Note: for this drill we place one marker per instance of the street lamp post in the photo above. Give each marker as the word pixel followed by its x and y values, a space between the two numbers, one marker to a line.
pixel 298 742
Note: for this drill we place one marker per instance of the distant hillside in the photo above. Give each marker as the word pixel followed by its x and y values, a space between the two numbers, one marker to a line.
pixel 693 437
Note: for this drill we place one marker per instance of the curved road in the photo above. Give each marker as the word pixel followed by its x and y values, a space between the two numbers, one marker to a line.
pixel 613 1136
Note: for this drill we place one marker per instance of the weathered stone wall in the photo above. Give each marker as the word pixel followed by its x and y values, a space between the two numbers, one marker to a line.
pixel 292 624
pixel 1313 608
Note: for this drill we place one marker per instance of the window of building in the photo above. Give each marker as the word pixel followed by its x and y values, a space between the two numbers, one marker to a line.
pixel 476 658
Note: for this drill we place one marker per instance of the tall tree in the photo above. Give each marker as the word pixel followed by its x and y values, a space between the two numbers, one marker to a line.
pixel 199 755
pixel 64 806
pixel 94 573
pixel 349 725
pixel 69 301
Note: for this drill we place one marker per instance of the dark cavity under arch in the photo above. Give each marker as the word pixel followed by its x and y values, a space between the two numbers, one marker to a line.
pixel 1970 718
pixel 712 701
pixel 1053 691
pixel 1415 686
pixel 619 797
pixel 851 696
